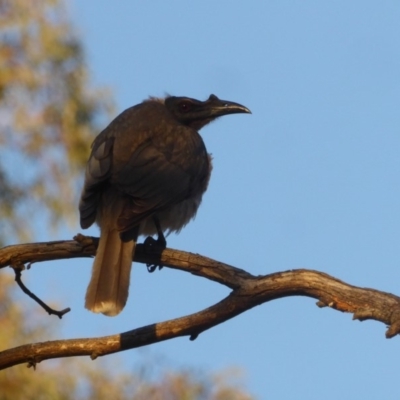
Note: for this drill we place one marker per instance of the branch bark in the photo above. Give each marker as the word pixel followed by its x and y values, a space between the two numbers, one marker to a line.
pixel 248 291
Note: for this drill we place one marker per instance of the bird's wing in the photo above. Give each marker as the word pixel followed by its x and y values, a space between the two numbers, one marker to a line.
pixel 151 168
pixel 98 171
pixel 155 177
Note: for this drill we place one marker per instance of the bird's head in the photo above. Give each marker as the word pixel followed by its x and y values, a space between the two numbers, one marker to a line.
pixel 196 114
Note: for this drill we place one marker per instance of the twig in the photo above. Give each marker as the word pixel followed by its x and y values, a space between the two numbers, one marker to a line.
pixel 50 311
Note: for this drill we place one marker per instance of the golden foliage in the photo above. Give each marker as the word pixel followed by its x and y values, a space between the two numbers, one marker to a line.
pixel 47 113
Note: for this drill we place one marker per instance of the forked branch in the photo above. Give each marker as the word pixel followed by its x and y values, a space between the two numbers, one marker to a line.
pixel 248 291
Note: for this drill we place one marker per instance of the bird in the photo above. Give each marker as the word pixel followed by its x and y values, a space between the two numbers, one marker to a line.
pixel 146 175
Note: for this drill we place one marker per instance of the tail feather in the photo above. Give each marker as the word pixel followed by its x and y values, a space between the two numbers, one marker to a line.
pixel 107 292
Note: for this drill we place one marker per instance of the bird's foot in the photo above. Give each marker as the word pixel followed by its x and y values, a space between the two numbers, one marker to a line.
pixel 153 246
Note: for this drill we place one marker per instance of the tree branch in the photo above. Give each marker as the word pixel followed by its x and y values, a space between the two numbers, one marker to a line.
pixel 248 291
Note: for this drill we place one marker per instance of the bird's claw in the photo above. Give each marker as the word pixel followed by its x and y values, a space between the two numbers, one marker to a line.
pixel 153 246
pixel 152 267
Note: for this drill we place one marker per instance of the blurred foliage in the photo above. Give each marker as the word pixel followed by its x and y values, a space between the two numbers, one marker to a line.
pixel 83 379
pixel 47 116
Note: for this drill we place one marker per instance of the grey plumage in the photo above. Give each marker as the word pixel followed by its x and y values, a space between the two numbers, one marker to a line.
pixel 149 161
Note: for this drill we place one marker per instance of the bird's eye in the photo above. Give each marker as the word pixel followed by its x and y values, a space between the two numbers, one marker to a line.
pixel 185 106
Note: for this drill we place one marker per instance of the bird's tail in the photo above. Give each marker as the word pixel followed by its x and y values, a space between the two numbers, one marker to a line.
pixel 107 292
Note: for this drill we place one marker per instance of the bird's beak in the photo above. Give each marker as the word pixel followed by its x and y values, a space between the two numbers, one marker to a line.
pixel 220 107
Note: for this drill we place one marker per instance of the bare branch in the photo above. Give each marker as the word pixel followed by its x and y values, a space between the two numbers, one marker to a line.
pixel 51 311
pixel 248 291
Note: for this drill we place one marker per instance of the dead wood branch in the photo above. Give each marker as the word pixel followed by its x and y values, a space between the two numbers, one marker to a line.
pixel 248 291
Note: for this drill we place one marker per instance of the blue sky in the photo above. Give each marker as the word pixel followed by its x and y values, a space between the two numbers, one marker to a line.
pixel 310 180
